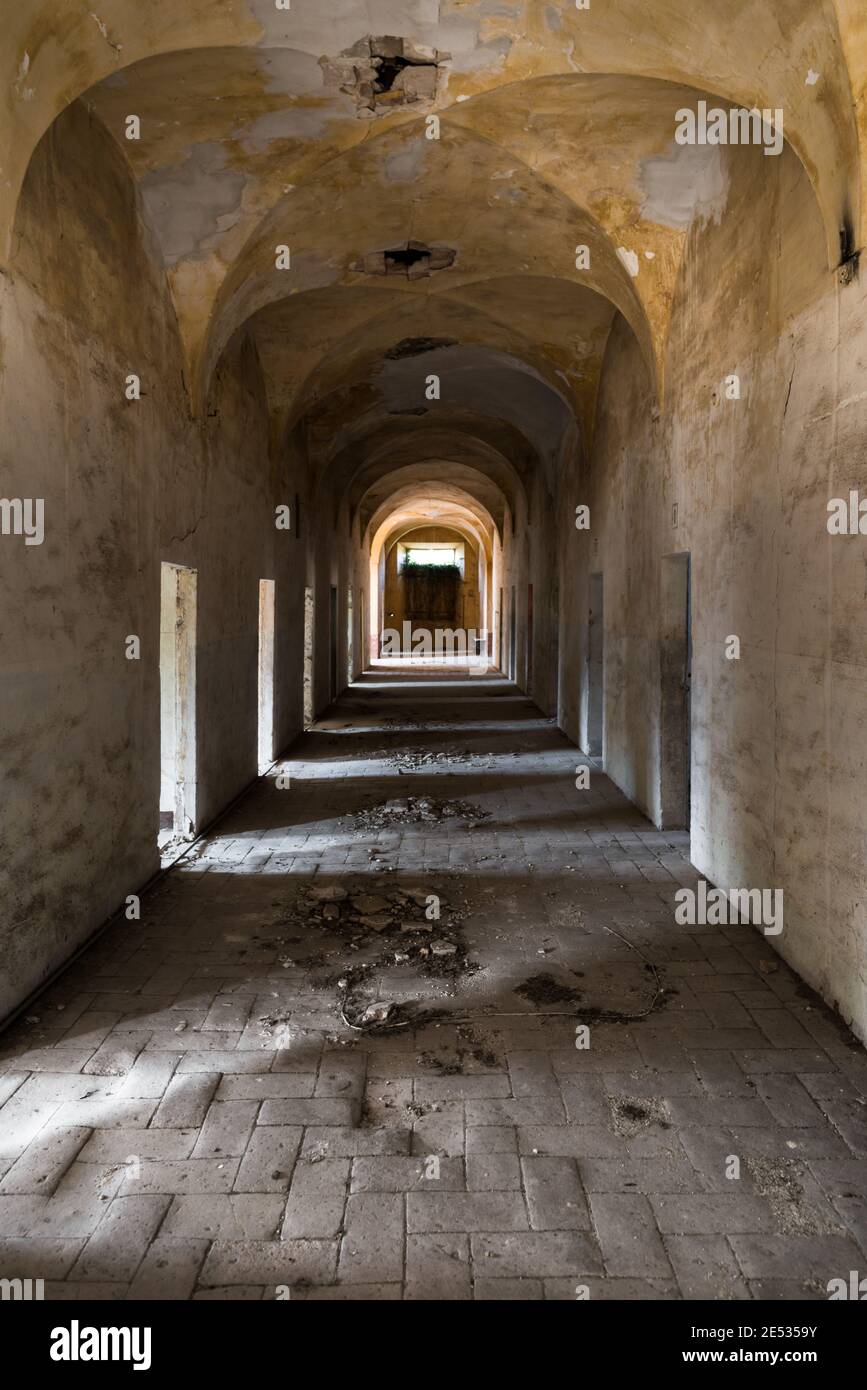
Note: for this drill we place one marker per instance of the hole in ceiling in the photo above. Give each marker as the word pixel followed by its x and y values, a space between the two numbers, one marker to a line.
pixel 414 260
pixel 392 72
pixel 387 72
pixel 404 258
pixel 414 347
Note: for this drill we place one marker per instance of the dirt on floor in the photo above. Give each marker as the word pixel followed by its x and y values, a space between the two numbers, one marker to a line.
pixel 415 810
pixel 383 929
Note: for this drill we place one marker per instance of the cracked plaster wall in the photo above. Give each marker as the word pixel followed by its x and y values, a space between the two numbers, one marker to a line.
pixel 779 757
pixel 125 484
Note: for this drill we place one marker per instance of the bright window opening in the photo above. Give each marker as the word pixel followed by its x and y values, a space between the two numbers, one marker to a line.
pixel 433 555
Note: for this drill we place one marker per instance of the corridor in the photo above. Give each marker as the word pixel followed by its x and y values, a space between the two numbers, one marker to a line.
pixel 433 660
pixel 289 1079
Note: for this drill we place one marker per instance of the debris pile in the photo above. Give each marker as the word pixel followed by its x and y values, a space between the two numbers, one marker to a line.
pixel 388 929
pixel 415 810
pixel 407 925
pixel 423 760
pixel 380 1017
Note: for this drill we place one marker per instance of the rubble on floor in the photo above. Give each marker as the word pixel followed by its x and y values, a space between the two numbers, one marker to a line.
pixel 296 993
pixel 414 810
pixel 424 760
pixel 386 929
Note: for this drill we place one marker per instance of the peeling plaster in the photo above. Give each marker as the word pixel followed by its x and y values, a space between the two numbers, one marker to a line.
pixel 408 164
pixel 290 71
pixel 25 93
pixel 691 180
pixel 629 259
pixel 103 29
pixel 294 122
pixel 318 29
pixel 185 204
pixel 479 56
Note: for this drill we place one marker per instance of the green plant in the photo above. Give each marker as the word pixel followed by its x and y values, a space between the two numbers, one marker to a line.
pixel 442 572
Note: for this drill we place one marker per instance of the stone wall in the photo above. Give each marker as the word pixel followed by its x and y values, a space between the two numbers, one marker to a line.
pixel 742 485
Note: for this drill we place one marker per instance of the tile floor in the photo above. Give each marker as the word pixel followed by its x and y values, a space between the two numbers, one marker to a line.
pixel 199 1111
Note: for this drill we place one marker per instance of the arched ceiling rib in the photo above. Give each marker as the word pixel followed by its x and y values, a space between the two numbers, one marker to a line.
pixel 398 524
pixel 344 334
pixel 461 193
pixel 486 446
pixel 405 520
pixel 471 381
pixel 430 492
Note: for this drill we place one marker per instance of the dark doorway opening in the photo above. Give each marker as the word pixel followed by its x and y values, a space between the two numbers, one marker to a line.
pixel 596 669
pixel 500 655
pixel 675 673
pixel 332 681
pixel 309 638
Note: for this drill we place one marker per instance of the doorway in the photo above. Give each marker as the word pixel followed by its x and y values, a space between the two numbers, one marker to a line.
pixel 528 682
pixel 501 664
pixel 350 643
pixel 675 673
pixel 595 668
pixel 266 674
pixel 309 615
pixel 332 644
pixel 513 636
pixel 178 593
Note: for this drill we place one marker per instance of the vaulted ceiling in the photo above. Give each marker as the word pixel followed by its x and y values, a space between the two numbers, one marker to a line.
pixel 309 128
